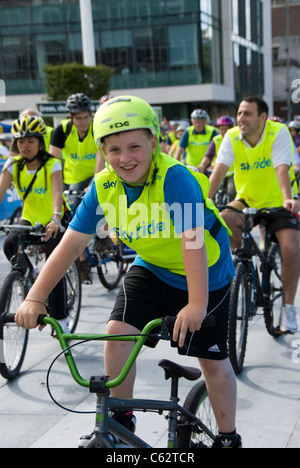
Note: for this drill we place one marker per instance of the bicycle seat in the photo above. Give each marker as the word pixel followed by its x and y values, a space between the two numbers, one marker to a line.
pixel 172 368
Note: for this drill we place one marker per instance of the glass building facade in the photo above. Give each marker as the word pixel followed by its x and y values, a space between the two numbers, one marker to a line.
pixel 148 43
pixel 211 51
pixel 247 39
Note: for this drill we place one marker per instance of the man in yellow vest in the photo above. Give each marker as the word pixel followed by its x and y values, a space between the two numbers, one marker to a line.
pixel 262 154
pixel 73 141
pixel 196 139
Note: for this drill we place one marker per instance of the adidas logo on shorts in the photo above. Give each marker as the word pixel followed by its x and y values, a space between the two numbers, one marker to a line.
pixel 214 349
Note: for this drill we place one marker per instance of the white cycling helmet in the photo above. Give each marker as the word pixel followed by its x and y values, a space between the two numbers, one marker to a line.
pixel 294 124
pixel 200 114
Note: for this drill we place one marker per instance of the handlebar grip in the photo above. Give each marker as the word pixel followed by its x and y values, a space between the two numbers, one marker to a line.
pixel 10 318
pixel 209 321
pixel 40 320
pixel 7 317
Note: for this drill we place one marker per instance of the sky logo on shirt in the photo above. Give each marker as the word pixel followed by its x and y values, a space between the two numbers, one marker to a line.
pixel 108 185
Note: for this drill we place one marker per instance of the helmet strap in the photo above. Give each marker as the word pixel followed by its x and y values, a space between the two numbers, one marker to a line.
pixel 152 174
pixel 40 154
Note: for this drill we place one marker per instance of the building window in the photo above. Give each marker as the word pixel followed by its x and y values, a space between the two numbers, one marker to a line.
pixel 247 39
pixel 161 42
pixel 149 43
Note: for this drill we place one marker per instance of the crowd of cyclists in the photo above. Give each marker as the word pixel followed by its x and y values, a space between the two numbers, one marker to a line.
pixel 257 155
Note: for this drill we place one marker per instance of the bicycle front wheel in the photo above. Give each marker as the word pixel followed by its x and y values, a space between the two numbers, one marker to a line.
pixel 272 313
pixel 238 318
pixel 13 339
pixel 110 268
pixel 74 293
pixel 189 434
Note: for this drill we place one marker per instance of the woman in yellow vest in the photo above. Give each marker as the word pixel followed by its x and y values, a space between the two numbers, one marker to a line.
pixel 184 266
pixel 37 176
pixel 47 136
pixel 224 124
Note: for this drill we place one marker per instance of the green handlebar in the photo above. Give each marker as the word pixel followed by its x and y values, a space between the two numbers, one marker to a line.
pixel 63 339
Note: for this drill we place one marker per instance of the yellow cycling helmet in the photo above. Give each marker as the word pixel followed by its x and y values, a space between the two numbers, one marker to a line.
pixel 29 126
pixel 122 114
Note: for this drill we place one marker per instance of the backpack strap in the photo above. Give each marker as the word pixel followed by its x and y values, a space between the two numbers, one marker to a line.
pixel 34 178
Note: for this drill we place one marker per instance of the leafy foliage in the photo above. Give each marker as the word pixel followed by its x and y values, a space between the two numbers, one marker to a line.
pixel 63 80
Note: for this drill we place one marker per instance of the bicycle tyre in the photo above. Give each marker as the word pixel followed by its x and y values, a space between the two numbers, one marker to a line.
pixel 272 313
pixel 16 216
pixel 13 339
pixel 197 402
pixel 110 267
pixel 238 318
pixel 74 294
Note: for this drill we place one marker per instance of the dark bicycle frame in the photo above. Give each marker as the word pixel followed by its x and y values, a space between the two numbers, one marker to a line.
pixel 100 385
pixel 249 249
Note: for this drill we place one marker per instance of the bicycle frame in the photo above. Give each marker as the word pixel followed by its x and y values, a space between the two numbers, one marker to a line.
pixel 22 262
pixel 250 249
pixel 100 385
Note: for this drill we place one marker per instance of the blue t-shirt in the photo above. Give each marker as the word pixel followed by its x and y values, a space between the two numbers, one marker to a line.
pixel 180 187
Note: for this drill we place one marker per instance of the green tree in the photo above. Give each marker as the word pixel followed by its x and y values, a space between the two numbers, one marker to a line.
pixel 63 80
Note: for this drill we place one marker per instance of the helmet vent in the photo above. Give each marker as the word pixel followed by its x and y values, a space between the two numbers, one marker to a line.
pixel 106 120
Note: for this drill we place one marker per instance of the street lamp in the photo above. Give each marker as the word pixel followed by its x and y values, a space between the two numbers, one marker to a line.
pixel 87 33
pixel 288 62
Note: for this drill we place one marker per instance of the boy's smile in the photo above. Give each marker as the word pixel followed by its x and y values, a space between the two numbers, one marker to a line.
pixel 130 154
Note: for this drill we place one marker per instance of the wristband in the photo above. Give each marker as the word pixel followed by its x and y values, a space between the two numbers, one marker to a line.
pixel 35 300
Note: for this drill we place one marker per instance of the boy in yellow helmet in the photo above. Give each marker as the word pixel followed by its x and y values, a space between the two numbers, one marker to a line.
pixel 158 207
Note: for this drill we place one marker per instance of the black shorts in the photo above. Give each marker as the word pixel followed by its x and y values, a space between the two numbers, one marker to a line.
pixel 143 297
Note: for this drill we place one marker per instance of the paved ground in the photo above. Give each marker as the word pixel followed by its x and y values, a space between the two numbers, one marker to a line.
pixel 268 389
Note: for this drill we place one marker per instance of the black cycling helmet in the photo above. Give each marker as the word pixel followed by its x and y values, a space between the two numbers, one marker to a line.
pixel 78 103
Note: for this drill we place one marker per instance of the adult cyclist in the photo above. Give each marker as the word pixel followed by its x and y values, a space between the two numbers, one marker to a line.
pixel 262 153
pixel 37 177
pixel 73 141
pixel 14 151
pixel 224 124
pixel 196 139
